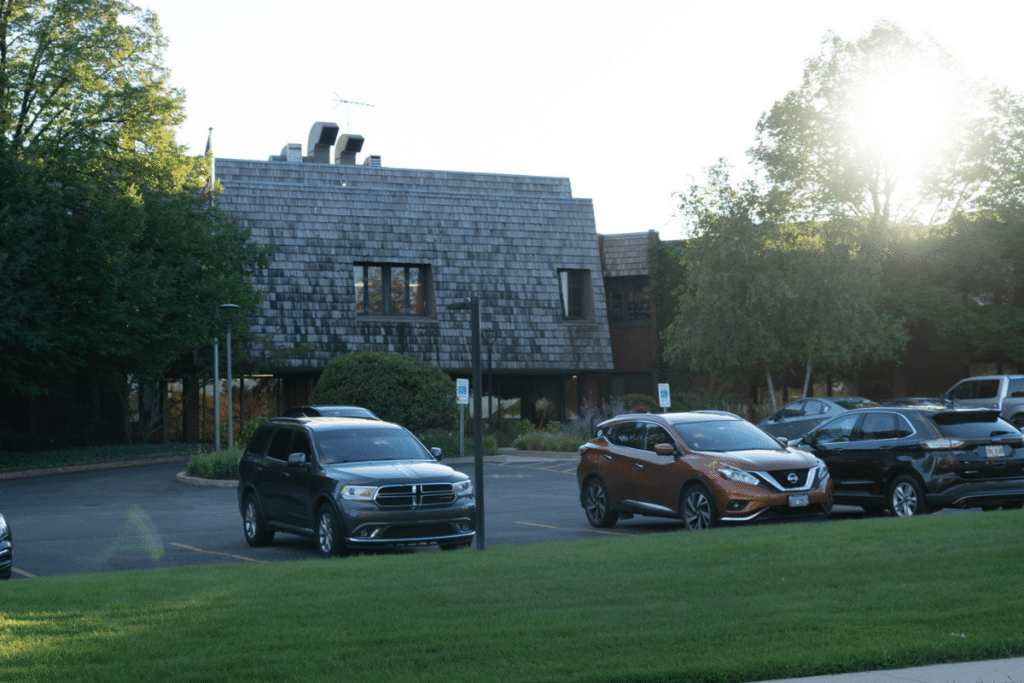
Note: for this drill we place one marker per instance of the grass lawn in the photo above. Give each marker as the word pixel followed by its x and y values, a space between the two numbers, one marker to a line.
pixel 733 604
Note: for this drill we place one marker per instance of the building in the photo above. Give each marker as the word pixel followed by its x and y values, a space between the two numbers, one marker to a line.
pixel 367 257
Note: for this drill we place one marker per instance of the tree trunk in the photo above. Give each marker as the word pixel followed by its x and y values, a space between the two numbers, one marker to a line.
pixel 807 377
pixel 771 389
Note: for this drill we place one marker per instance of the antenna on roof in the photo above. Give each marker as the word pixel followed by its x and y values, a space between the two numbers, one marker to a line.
pixel 348 126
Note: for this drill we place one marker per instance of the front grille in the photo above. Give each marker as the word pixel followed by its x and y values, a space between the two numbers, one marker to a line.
pixel 415 495
pixel 782 479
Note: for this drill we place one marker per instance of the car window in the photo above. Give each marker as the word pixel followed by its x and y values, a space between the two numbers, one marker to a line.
pixel 988 388
pixel 724 435
pixel 794 409
pixel 300 444
pixel 816 408
pixel 1016 387
pixel 279 444
pixel 964 390
pixel 627 434
pixel 839 430
pixel 970 425
pixel 656 434
pixel 366 445
pixel 258 443
pixel 878 426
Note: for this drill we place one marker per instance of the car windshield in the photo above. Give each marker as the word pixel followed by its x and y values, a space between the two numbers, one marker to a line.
pixel 366 445
pixel 724 435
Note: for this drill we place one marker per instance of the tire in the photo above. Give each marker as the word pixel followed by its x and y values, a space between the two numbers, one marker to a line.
pixel 906 497
pixel 698 508
pixel 329 541
pixel 597 505
pixel 253 524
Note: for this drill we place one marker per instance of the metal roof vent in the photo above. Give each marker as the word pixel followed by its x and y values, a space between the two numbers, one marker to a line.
pixel 372 160
pixel 321 136
pixel 292 153
pixel 348 147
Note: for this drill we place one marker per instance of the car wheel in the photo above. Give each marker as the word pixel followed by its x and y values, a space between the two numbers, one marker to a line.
pixel 906 497
pixel 597 506
pixel 255 528
pixel 328 532
pixel 698 508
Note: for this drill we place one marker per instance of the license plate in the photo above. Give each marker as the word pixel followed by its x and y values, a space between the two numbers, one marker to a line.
pixel 799 501
pixel 993 451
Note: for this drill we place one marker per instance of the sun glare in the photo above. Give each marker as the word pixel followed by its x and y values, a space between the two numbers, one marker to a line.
pixel 903 115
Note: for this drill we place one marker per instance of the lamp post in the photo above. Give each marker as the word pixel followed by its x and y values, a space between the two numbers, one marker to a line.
pixel 230 315
pixel 473 303
pixel 489 337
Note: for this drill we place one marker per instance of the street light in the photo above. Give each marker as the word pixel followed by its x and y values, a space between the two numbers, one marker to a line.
pixel 489 337
pixel 230 315
pixel 473 303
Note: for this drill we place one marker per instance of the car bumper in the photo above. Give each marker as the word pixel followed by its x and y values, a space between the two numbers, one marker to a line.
pixel 969 494
pixel 370 526
pixel 745 508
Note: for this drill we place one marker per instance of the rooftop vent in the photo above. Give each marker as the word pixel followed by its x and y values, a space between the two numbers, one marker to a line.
pixel 321 136
pixel 348 147
pixel 372 160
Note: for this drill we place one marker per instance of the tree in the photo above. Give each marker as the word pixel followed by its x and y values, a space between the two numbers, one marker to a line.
pixel 111 263
pixel 885 129
pixel 83 89
pixel 409 391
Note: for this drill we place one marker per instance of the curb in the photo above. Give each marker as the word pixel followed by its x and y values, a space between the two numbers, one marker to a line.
pixel 42 472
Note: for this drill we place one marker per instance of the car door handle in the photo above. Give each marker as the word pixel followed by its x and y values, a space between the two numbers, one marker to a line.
pixel 607 457
pixel 638 464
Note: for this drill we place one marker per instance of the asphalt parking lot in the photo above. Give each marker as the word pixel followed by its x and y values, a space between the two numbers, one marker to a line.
pixel 140 517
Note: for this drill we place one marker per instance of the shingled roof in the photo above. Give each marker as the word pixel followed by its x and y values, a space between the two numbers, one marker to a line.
pixel 502 237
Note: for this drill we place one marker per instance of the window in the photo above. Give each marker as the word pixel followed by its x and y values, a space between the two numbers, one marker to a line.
pixel 390 289
pixel 572 285
pixel 629 300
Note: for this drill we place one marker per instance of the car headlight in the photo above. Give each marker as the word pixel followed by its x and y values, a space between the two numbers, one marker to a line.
pixel 820 473
pixel 463 489
pixel 740 476
pixel 4 530
pixel 363 493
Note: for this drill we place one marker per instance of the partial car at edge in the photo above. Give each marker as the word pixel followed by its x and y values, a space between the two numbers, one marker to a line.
pixel 6 551
pixel 916 460
pixel 701 467
pixel 797 418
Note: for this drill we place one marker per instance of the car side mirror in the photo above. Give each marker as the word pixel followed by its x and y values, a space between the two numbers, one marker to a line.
pixel 297 460
pixel 665 449
pixel 436 452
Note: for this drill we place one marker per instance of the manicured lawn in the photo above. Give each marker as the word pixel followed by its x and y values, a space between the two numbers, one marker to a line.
pixel 735 604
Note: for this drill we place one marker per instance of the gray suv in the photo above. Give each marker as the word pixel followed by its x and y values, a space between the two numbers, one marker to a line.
pixel 351 483
pixel 1003 392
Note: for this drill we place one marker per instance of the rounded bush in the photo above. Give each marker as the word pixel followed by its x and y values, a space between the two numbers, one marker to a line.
pixel 409 391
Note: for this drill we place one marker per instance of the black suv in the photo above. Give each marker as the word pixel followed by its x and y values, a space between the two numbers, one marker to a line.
pixel 351 483
pixel 916 460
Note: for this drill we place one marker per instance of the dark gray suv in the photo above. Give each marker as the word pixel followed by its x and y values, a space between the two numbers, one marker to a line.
pixel 351 483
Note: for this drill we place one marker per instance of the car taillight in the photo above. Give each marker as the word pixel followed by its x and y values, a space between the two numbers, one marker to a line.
pixel 944 444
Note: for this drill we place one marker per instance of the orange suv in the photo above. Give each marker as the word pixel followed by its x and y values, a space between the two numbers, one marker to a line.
pixel 701 467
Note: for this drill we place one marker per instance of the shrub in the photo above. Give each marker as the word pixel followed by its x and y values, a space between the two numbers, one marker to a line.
pixel 411 392
pixel 448 442
pixel 215 465
pixel 566 440
pixel 639 403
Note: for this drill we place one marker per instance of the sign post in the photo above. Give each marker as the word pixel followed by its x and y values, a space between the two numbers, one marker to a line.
pixel 462 398
pixel 664 397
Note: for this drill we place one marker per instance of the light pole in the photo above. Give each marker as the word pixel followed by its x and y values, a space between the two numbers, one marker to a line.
pixel 230 315
pixel 489 337
pixel 473 303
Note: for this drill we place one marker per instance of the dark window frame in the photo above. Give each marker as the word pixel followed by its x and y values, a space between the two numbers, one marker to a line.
pixel 414 306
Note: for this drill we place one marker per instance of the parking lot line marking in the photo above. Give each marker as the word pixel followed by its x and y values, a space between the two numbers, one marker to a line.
pixel 213 552
pixel 22 573
pixel 562 528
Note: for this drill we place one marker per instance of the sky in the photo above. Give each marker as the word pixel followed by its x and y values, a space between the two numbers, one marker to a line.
pixel 631 101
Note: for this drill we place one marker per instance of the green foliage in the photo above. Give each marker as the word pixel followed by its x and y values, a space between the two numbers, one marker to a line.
pixel 639 403
pixel 67 457
pixel 448 442
pixel 216 464
pixel 249 428
pixel 564 439
pixel 414 393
